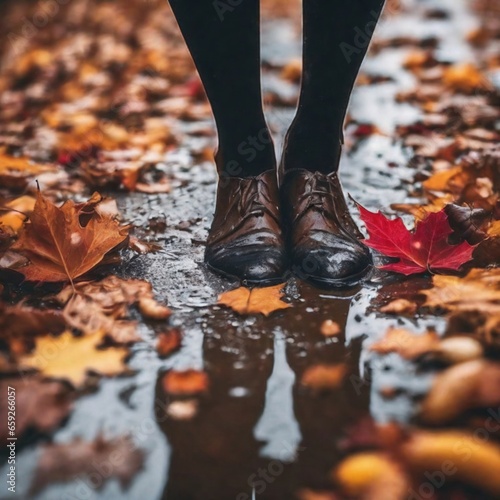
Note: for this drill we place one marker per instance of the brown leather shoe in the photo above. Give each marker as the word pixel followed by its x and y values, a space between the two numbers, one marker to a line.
pixel 322 237
pixel 245 240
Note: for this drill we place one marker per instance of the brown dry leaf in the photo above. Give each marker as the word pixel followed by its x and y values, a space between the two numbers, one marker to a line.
pixel 16 172
pixel 372 476
pixel 152 309
pixel 88 316
pixel 185 383
pixel 474 384
pixel 330 328
pixel 112 293
pixel 255 300
pixel 407 344
pixel 478 290
pixel 70 358
pixel 59 247
pixel 62 462
pixel 324 377
pixel 41 406
pixel 143 247
pixel 419 211
pixel 471 460
pixel 168 342
pixel 104 305
pixel 19 321
pixel 481 325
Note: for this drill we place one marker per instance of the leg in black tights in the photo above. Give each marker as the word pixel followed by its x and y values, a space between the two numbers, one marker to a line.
pixel 225 45
pixel 336 38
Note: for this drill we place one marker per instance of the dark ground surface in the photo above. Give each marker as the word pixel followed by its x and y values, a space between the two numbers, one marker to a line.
pixel 257 425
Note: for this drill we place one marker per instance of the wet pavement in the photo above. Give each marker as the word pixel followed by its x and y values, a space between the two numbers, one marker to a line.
pixel 258 433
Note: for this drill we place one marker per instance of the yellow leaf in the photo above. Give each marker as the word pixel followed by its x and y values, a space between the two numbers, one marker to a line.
pixel 254 301
pixel 20 207
pixel 70 358
pixel 440 180
pixel 15 171
pixel 466 457
pixel 372 475
pixel 464 77
pixel 494 229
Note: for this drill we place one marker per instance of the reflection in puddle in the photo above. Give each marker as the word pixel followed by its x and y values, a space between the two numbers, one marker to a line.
pixel 278 426
pixel 259 431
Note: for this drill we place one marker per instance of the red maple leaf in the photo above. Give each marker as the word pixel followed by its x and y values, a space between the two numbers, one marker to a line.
pixel 426 248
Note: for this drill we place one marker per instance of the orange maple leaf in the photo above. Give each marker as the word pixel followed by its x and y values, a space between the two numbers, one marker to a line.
pixel 254 301
pixel 59 247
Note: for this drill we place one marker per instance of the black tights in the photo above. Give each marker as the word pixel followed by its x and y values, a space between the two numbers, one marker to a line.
pixel 224 39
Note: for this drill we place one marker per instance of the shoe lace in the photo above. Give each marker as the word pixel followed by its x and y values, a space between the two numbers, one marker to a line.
pixel 315 195
pixel 250 199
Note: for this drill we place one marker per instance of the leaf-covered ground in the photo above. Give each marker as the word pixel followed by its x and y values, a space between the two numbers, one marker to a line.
pixel 138 374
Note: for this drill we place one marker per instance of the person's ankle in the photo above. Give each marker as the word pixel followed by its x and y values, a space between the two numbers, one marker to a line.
pixel 313 150
pixel 245 161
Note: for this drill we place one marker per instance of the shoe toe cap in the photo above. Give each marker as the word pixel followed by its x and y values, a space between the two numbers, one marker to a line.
pixel 254 266
pixel 341 264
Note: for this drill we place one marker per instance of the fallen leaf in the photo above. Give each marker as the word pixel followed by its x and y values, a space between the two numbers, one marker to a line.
pixel 41 406
pixel 152 309
pixel 470 385
pixel 324 377
pixel 479 290
pixel 473 461
pixel 292 71
pixel 481 325
pixel 20 321
pixel 70 358
pixel 406 344
pixel 455 350
pixel 88 316
pixel 399 306
pixel 330 328
pixel 102 458
pixel 494 229
pixel 16 212
pixel 113 294
pixel 468 222
pixel 465 77
pixel 59 247
pixel 104 305
pixel 418 59
pixel 424 249
pixel 371 476
pixel 440 181
pixel 255 300
pixel 16 172
pixel 168 342
pixel 182 383
pixel 143 247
